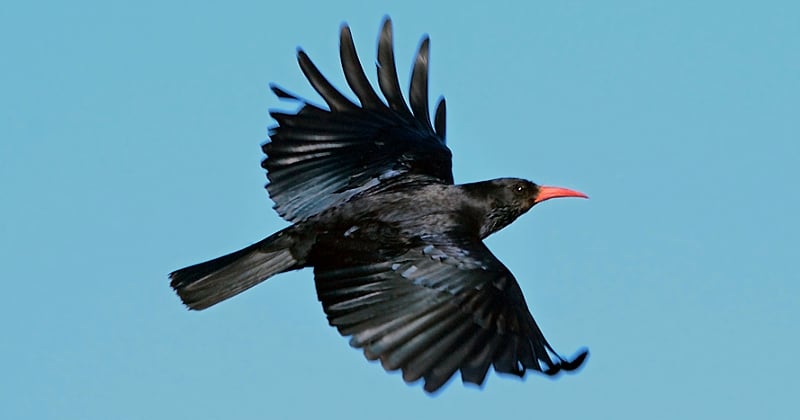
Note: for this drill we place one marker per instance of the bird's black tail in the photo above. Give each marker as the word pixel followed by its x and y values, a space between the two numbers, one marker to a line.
pixel 203 285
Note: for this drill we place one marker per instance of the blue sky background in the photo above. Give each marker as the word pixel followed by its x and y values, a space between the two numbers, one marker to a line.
pixel 130 133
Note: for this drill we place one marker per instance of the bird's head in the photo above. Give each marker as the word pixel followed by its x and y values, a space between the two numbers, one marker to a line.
pixel 505 199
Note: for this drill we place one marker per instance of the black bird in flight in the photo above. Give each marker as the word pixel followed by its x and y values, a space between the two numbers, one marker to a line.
pixel 397 248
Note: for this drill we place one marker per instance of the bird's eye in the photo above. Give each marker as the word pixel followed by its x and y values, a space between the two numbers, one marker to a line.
pixel 519 188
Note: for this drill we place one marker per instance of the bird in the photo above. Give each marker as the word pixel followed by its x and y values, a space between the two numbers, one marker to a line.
pixel 396 247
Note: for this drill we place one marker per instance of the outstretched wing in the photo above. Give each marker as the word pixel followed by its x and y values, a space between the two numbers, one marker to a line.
pixel 319 157
pixel 437 308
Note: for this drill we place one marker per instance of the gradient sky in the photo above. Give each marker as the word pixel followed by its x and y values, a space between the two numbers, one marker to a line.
pixel 130 136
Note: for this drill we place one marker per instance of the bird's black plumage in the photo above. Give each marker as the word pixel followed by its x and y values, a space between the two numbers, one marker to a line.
pixel 396 247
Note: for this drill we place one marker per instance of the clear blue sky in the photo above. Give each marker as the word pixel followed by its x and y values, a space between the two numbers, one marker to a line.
pixel 130 133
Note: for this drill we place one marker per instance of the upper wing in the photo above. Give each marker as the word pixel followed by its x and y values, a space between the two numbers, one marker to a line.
pixel 433 310
pixel 319 157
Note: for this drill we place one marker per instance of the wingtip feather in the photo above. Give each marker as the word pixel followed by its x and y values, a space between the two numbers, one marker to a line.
pixel 418 91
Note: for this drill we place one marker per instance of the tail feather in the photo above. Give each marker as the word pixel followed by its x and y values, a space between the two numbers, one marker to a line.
pixel 208 283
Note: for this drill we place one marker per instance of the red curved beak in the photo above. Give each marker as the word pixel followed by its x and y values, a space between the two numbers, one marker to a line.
pixel 546 193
